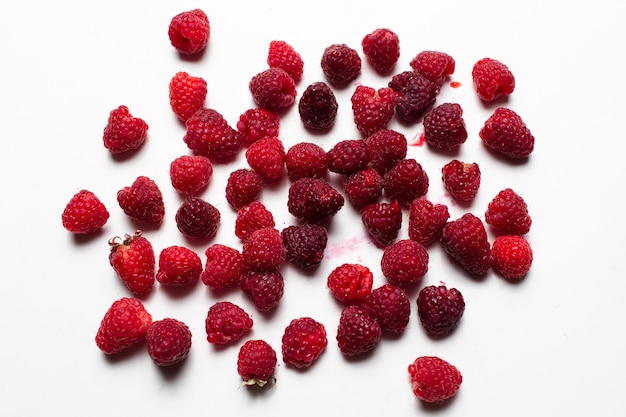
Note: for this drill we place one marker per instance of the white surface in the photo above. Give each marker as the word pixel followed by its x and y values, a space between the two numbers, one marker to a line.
pixel 551 345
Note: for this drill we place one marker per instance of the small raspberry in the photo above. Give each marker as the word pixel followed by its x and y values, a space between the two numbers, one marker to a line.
pixel 426 220
pixel 123 132
pixel 357 332
pixel 341 64
pixel 386 148
pixel 273 89
pixel 243 187
pixel 405 182
pixel 267 158
pixel 306 160
pixel 318 107
pixel 264 249
pixel 258 123
pixel 226 322
pixel 404 262
pixel 256 363
pixel 125 324
pixel 433 65
pixel 372 109
pixel 197 218
pixel 265 288
pixel 84 213
pixel 508 213
pixel 305 244
pixel 444 127
pixel 465 241
pixel 348 156
pixel 382 49
pixel 178 266
pixel 224 267
pixel 417 95
pixel 350 283
pixel 313 199
pixel 506 133
pixel 382 222
pixel 190 174
pixel 461 179
pixel 433 379
pixel 168 341
pixel 492 79
pixel 142 201
pixel 189 31
pixel 132 258
pixel 512 256
pixel 282 55
pixel 439 309
pixel 187 94
pixel 390 306
pixel 363 187
pixel 303 342
pixel 252 217
pixel 209 134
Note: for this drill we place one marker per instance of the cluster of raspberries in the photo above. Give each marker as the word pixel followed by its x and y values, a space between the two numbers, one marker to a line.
pixel 376 177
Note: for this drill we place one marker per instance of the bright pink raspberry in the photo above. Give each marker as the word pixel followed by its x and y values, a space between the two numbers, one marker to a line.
pixel 372 109
pixel 243 187
pixel 405 182
pixel 363 187
pixel 189 31
pixel 382 49
pixel 426 220
pixel 267 158
pixel 124 132
pixel 273 89
pixel 341 64
pixel 461 179
pixel 306 160
pixel 390 306
pixel 382 222
pixel 252 217
pixel 492 79
pixel 264 249
pixel 258 123
pixel 404 262
pixel 348 156
pixel 265 288
pixel 226 322
pixel 433 65
pixel 190 174
pixel 350 283
pixel 187 94
pixel 224 267
pixel 209 134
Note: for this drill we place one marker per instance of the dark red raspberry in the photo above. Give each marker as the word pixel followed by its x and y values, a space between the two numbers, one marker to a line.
pixel 433 379
pixel 265 288
pixel 350 283
pixel 273 89
pixel 512 256
pixel 190 174
pixel 84 213
pixel 282 55
pixel 357 332
pixel 439 309
pixel 386 148
pixel 372 109
pixel 224 267
pixel 267 158
pixel 168 341
pixel 433 65
pixel 226 322
pixel 313 199
pixel 189 31
pixel 506 133
pixel 507 213
pixel 348 156
pixel 303 342
pixel 123 132
pixel 461 179
pixel 341 64
pixel 492 79
pixel 252 217
pixel 264 249
pixel 209 134
pixel 142 200
pixel 405 182
pixel 178 266
pixel 306 160
pixel 382 49
pixel 197 218
pixel 390 306
pixel 305 244
pixel 444 127
pixel 187 94
pixel 243 187
pixel 363 187
pixel 417 95
pixel 382 222
pixel 404 262
pixel 465 241
pixel 256 363
pixel 426 220
pixel 318 107
pixel 258 123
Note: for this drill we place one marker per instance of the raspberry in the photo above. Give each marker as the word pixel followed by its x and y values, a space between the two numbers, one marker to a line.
pixel 251 218
pixel 382 49
pixel 224 267
pixel 363 187
pixel 439 309
pixel 465 241
pixel 306 160
pixel 273 89
pixel 209 134
pixel 404 262
pixel 357 332
pixel 348 156
pixel 243 187
pixel 187 94
pixel 382 222
pixel 508 213
pixel 372 109
pixel 265 288
pixel 318 107
pixel 426 220
pixel 492 79
pixel 256 363
pixel 189 31
pixel 417 95
pixel 282 55
pixel 350 283
pixel 305 244
pixel 178 266
pixel 303 342
pixel 386 148
pixel 123 132
pixel 405 182
pixel 226 322
pixel 142 201
pixel 506 133
pixel 134 262
pixel 390 306
pixel 264 249
pixel 124 325
pixel 258 123
pixel 341 64
pixel 512 256
pixel 444 127
pixel 84 213
pixel 168 341
pixel 435 66
pixel 197 218
pixel 267 158
pixel 190 174
pixel 313 199
pixel 461 179
pixel 433 379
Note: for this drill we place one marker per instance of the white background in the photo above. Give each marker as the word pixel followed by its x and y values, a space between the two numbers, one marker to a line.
pixel 550 345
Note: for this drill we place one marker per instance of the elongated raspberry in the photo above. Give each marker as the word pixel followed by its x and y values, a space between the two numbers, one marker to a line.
pixel 417 95
pixel 306 160
pixel 243 187
pixel 124 132
pixel 507 213
pixel 492 79
pixel 461 179
pixel 386 147
pixel 433 65
pixel 382 221
pixel 189 31
pixel 405 182
pixel 318 107
pixel 426 220
pixel 313 199
pixel 84 213
pixel 142 200
pixel 190 174
pixel 282 55
pixel 273 89
pixel 372 109
pixel 258 123
pixel 382 49
pixel 187 94
pixel 465 241
pixel 390 306
pixel 305 244
pixel 404 262
pixel 506 133
pixel 341 64
pixel 348 156
pixel 209 134
pixel 224 267
pixel 444 127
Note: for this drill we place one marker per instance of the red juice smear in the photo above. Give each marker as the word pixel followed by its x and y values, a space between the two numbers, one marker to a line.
pixel 455 84
pixel 418 140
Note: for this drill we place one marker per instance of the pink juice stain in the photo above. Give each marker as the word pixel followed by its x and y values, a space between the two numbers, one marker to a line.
pixel 418 140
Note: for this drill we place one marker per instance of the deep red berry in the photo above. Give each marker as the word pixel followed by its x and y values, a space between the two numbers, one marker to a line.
pixel 178 266
pixel 226 322
pixel 507 213
pixel 341 64
pixel 256 363
pixel 267 157
pixel 390 306
pixel 313 199
pixel 303 342
pixel 264 249
pixel 465 241
pixel 190 174
pixel 265 288
pixel 492 79
pixel 187 94
pixel 405 182
pixel 84 213
pixel 189 31
pixel 348 156
pixel 404 262
pixel 134 262
pixel 306 160
pixel 305 244
pixel 461 179
pixel 386 148
pixel 382 221
pixel 318 106
pixel 357 332
pixel 252 217
pixel 197 218
pixel 382 49
pixel 512 256
pixel 209 134
pixel 125 324
pixel 124 132
pixel 282 55
pixel 363 187
pixel 142 200
pixel 444 127
pixel 506 133
pixel 168 341
pixel 440 309
pixel 426 220
pixel 273 89
pixel 350 283
pixel 433 65
pixel 258 123
pixel 417 95
pixel 433 379
pixel 372 109
pixel 224 267
pixel 243 187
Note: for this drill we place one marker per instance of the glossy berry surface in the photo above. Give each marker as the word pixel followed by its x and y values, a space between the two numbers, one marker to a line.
pixel 264 288
pixel 440 309
pixel 390 306
pixel 461 179
pixel 84 213
pixel 282 55
pixel 404 262
pixel 505 132
pixel 382 49
pixel 350 283
pixel 465 241
pixel 124 132
pixel 303 342
pixel 189 31
pixel 168 341
pixel 178 266
pixel 434 380
pixel 223 268
pixel 133 259
pixel 124 325
pixel 512 256
pixel 357 332
pixel 197 218
pixel 190 174
pixel 492 79
pixel 187 94
pixel 256 363
pixel 507 213
pixel 273 89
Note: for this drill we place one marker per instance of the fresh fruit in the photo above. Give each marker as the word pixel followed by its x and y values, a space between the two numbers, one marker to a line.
pixel 382 222
pixel 125 324
pixel 382 49
pixel 372 109
pixel 348 156
pixel 178 266
pixel 444 127
pixel 264 249
pixel 258 123
pixel 492 79
pixel 303 342
pixel 84 213
pixel 252 217
pixel 265 288
pixel 273 89
pixel 224 266
pixel 189 31
pixel 123 132
pixel 256 363
pixel 426 220
pixel 416 95
pixel 461 179
pixel 405 182
pixel 390 306
pixel 306 160
pixel 226 322
pixel 404 262
pixel 363 187
pixel 506 133
pixel 190 174
pixel 168 341
pixel 507 213
pixel 341 64
pixel 465 241
pixel 386 147
pixel 313 199
pixel 440 309
pixel 305 244
pixel 282 55
pixel 512 256
pixel 350 283
pixel 267 158
pixel 243 187
pixel 142 200
pixel 132 258
pixel 318 106
pixel 433 65
pixel 209 134
pixel 433 379
pixel 357 332
pixel 197 218
pixel 187 94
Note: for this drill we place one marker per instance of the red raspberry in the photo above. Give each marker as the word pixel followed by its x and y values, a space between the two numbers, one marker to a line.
pixel 508 213
pixel 341 64
pixel 506 133
pixel 209 134
pixel 465 241
pixel 433 65
pixel 243 187
pixel 226 322
pixel 405 182
pixel 252 217
pixel 303 342
pixel 461 179
pixel 267 157
pixel 168 341
pixel 386 148
pixel 318 107
pixel 264 249
pixel 256 363
pixel 190 174
pixel 348 156
pixel 224 267
pixel 142 201
pixel 125 324
pixel 84 213
pixel 404 262
pixel 382 49
pixel 382 222
pixel 433 379
pixel 357 332
pixel 134 262
pixel 197 218
pixel 363 187
pixel 189 31
pixel 282 55
pixel 390 306
pixel 512 256
pixel 350 283
pixel 178 266
pixel 372 109
pixel 305 244
pixel 417 95
pixel 258 123
pixel 123 132
pixel 265 288
pixel 313 199
pixel 426 220
pixel 440 309
pixel 306 160
pixel 444 127
pixel 492 79
pixel 273 89
pixel 187 94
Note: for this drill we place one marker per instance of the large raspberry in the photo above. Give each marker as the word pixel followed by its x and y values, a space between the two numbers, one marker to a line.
pixel 382 49
pixel 190 174
pixel 267 158
pixel 465 240
pixel 224 267
pixel 178 266
pixel 507 213
pixel 417 95
pixel 243 187
pixel 264 249
pixel 273 89
pixel 282 55
pixel 492 79
pixel 189 31
pixel 372 109
pixel 265 288
pixel 405 182
pixel 313 199
pixel 125 324
pixel 251 218
pixel 168 341
pixel 444 127
pixel 318 106
pixel 84 213
pixel 512 256
pixel 350 283
pixel 142 200
pixel 506 133
pixel 197 218
pixel 256 363
pixel 226 322
pixel 303 342
pixel 209 134
pixel 341 64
